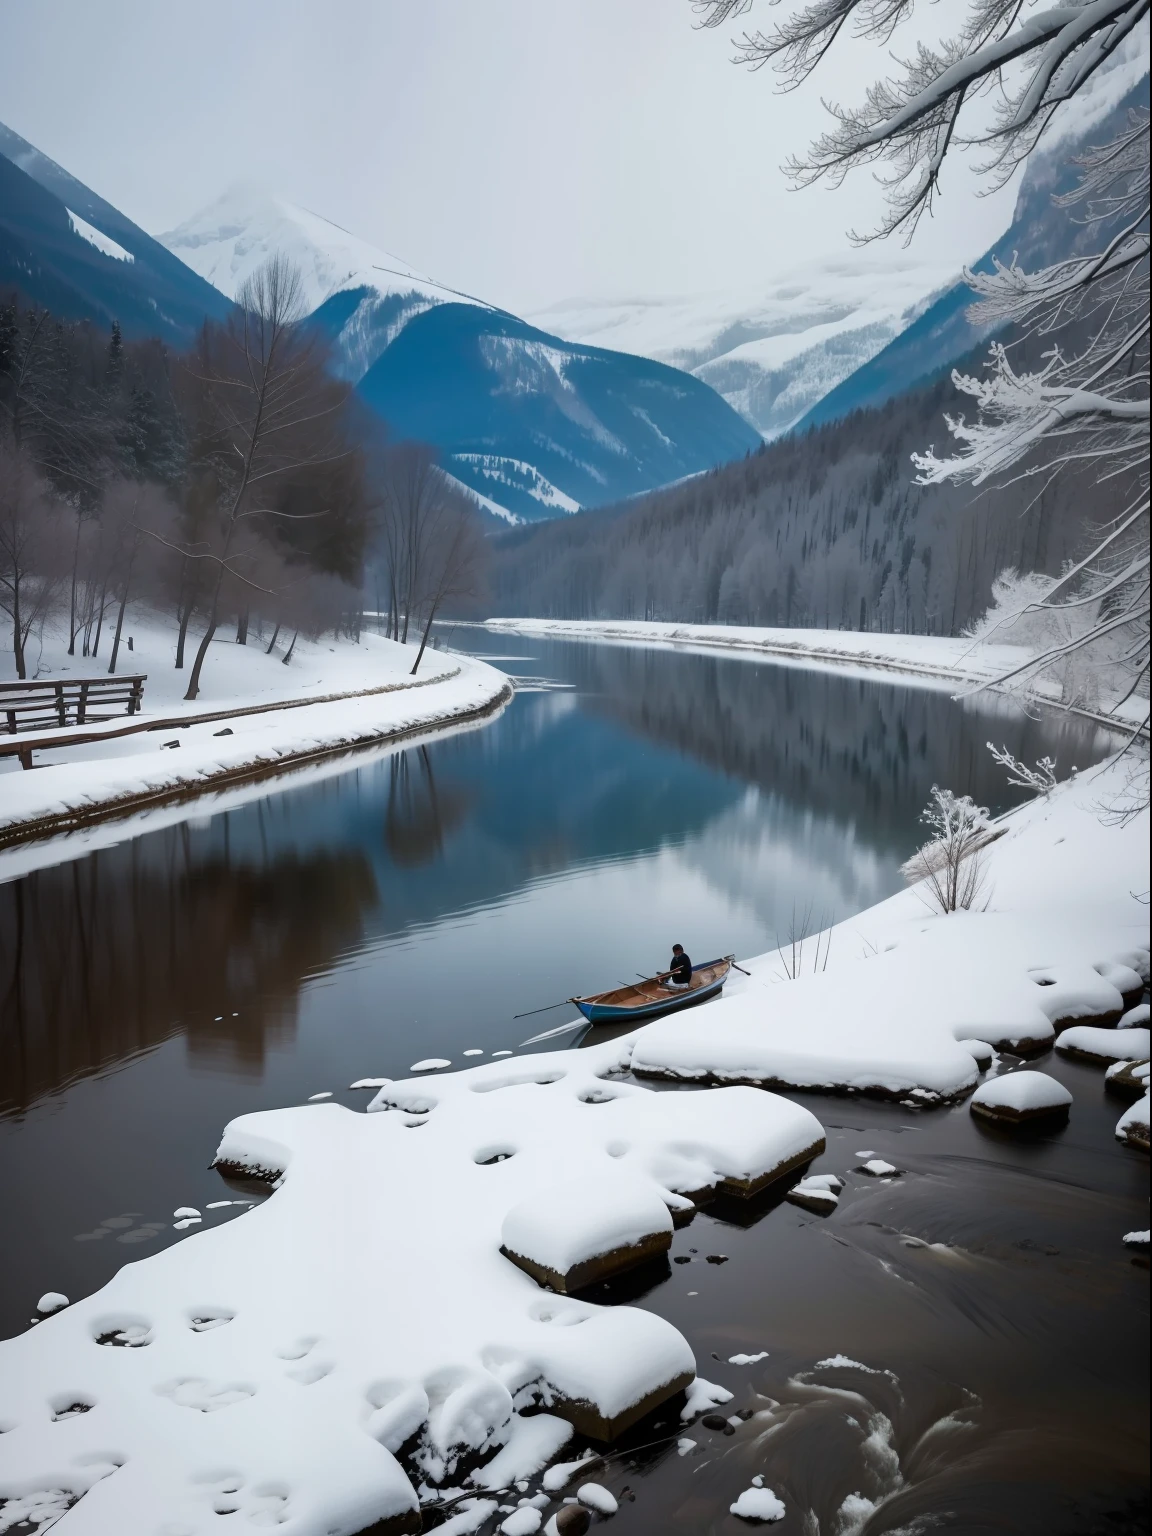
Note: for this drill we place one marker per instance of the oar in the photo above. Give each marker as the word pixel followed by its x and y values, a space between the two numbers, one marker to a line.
pixel 547 1009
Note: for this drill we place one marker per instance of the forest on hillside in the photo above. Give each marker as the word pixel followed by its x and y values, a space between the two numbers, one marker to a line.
pixel 238 487
pixel 825 529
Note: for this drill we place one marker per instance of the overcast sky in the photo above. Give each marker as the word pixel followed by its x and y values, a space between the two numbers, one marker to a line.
pixel 525 151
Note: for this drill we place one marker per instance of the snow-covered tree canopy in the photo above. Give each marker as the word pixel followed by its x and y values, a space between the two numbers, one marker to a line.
pixel 995 83
pixel 1029 60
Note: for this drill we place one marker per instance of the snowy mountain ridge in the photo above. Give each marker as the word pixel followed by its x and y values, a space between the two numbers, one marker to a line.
pixel 535 426
pixel 229 239
pixel 773 352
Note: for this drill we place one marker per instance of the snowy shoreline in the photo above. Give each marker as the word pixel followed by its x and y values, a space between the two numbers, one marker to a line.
pixel 352 1350
pixel 935 659
pixel 275 720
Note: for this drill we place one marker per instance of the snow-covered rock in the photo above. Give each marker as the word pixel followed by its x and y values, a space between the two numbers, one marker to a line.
pixel 1127 1078
pixel 51 1301
pixel 366 1308
pixel 819 1192
pixel 1132 1125
pixel 1136 1018
pixel 701 1396
pixel 1083 1042
pixel 596 1496
pixel 570 1234
pixel 758 1504
pixel 879 1168
pixel 1021 1096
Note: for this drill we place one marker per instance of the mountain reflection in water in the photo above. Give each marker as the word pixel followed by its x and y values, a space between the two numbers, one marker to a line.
pixel 751 789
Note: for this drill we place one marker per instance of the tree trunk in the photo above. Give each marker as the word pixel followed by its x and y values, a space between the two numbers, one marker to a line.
pixel 242 627
pixel 272 642
pixel 197 665
pixel 287 657
pixel 182 634
pixel 100 619
pixel 423 641
pixel 72 604
pixel 17 637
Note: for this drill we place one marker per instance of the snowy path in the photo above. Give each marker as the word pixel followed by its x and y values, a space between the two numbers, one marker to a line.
pixel 334 695
pixel 936 659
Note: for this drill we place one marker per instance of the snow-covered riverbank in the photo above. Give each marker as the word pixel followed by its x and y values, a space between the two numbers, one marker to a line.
pixel 906 1002
pixel 254 715
pixel 369 1338
pixel 944 660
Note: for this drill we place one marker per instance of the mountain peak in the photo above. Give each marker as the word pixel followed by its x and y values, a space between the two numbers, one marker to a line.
pixel 229 239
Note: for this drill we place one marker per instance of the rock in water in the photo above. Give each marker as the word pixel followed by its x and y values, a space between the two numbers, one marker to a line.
pixel 1021 1097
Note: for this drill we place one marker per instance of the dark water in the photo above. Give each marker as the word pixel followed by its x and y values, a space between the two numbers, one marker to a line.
pixel 408 905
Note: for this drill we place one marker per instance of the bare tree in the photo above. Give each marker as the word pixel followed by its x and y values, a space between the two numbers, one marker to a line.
pixel 452 562
pixel 31 568
pixel 268 403
pixel 1033 60
pixel 414 501
pixel 1088 405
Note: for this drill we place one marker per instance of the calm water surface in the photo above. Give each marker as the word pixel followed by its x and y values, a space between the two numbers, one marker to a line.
pixel 409 904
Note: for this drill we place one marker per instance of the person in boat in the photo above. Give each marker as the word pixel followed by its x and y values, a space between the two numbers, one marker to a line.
pixel 679 973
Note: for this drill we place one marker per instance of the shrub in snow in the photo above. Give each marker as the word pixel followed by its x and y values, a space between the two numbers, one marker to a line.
pixel 1021 1096
pixel 950 864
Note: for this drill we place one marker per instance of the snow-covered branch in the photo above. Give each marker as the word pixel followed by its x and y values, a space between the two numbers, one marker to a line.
pixel 1034 60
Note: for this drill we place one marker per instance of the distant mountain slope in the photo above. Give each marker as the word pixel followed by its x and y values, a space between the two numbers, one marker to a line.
pixel 539 425
pixel 535 426
pixel 1039 235
pixel 66 248
pixel 772 353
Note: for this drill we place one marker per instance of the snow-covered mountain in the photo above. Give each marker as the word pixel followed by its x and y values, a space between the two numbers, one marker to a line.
pixel 535 426
pixel 774 352
pixel 229 239
pixel 65 247
pixel 1041 233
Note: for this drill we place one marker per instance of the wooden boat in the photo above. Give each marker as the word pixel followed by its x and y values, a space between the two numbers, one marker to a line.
pixel 649 999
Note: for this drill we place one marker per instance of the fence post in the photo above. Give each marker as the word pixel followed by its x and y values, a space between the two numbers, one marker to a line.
pixel 61 705
pixel 82 705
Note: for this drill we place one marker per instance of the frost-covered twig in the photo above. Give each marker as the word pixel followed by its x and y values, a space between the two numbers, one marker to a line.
pixel 1041 779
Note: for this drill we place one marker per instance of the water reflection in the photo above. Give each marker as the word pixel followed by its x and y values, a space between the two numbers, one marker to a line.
pixel 709 794
pixel 105 957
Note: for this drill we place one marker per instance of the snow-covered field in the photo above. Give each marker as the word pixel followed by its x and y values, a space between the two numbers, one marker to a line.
pixel 368 1339
pixel 952 660
pixel 332 693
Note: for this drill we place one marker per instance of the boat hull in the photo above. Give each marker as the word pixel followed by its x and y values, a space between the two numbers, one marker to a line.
pixel 613 1013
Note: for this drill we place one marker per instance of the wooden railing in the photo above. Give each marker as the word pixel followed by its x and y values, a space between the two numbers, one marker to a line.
pixel 47 702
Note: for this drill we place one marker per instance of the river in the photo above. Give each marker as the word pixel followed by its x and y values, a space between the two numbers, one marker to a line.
pixel 393 907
